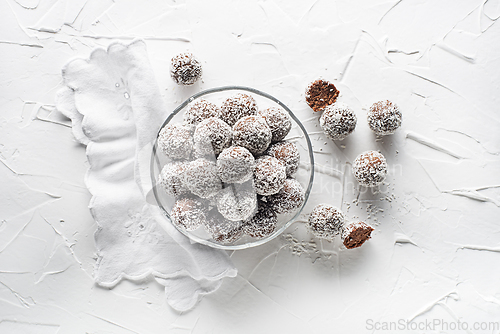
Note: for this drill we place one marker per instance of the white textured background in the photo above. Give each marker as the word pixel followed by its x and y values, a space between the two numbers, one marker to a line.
pixel 435 252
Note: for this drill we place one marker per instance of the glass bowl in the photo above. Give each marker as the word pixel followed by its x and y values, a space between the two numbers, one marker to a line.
pixel 297 134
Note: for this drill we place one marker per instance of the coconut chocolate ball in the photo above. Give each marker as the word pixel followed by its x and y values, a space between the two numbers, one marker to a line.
pixel 253 133
pixel 175 141
pixel 370 168
pixel 223 230
pixel 236 107
pixel 290 197
pixel 354 234
pixel 263 223
pixel 202 179
pixel 171 178
pixel 185 69
pixel 338 121
pixel 320 94
pixel 287 153
pixel 199 111
pixel 384 117
pixel 211 136
pixel 325 221
pixel 235 165
pixel 278 121
pixel 189 213
pixel 269 175
pixel 237 201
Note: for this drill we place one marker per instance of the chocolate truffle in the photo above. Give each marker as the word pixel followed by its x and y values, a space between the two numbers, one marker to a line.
pixel 236 107
pixel 189 213
pixel 223 230
pixel 253 133
pixel 354 234
pixel 289 198
pixel 320 94
pixel 325 221
pixel 269 175
pixel 338 121
pixel 235 165
pixel 370 168
pixel 199 111
pixel 278 121
pixel 202 179
pixel 185 69
pixel 211 137
pixel 384 117
pixel 287 153
pixel 175 141
pixel 237 201
pixel 263 223
pixel 171 178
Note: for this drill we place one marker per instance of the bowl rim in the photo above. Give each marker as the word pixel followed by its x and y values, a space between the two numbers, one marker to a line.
pixel 257 242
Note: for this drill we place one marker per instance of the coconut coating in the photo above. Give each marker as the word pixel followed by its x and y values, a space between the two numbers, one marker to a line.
pixel 211 137
pixel 287 153
pixel 338 121
pixel 199 111
pixel 354 234
pixel 223 230
pixel 189 213
pixel 263 223
pixel 384 117
pixel 370 168
pixel 253 133
pixel 269 175
pixel 235 165
pixel 325 221
pixel 171 178
pixel 321 93
pixel 278 121
pixel 185 69
pixel 202 179
pixel 175 141
pixel 290 197
pixel 237 201
pixel 236 107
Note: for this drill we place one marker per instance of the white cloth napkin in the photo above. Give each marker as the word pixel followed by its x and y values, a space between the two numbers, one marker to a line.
pixel 116 110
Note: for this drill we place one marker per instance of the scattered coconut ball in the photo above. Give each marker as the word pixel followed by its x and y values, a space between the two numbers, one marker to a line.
pixel 189 213
pixel 202 179
pixel 199 111
pixel 237 201
pixel 253 133
pixel 235 165
pixel 211 137
pixel 171 178
pixel 338 121
pixel 223 230
pixel 278 121
pixel 354 234
pixel 269 175
pixel 175 141
pixel 370 168
pixel 287 153
pixel 236 107
pixel 263 223
pixel 290 197
pixel 326 221
pixel 384 117
pixel 320 94
pixel 185 69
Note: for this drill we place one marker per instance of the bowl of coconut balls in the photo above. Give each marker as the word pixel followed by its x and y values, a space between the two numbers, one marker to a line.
pixel 231 167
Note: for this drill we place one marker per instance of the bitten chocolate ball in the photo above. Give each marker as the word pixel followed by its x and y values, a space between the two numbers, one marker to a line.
pixel 211 137
pixel 338 121
pixel 320 94
pixel 269 175
pixel 175 141
pixel 325 221
pixel 384 117
pixel 235 165
pixel 354 234
pixel 237 201
pixel 199 111
pixel 370 168
pixel 171 178
pixel 202 179
pixel 189 213
pixel 223 230
pixel 263 223
pixel 185 69
pixel 290 197
pixel 236 107
pixel 278 121
pixel 287 153
pixel 253 133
